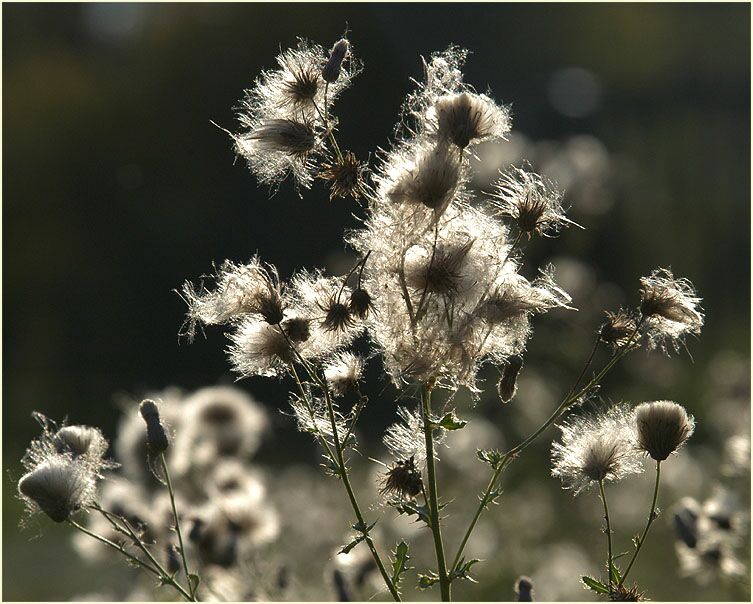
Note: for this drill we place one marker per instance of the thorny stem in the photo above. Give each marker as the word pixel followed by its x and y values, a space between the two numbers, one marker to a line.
pixel 158 570
pixel 444 580
pixel 608 531
pixel 652 515
pixel 485 499
pixel 191 586
pixel 571 398
pixel 113 545
pixel 351 495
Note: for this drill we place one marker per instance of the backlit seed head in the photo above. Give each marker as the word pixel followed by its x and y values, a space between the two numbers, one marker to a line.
pixel 297 329
pixel 360 304
pixel 467 117
pixel 58 487
pixel 345 176
pixel 618 328
pixel 662 427
pixel 80 440
pixel 344 372
pixel 337 315
pixel 440 272
pixel 282 135
pixel 402 479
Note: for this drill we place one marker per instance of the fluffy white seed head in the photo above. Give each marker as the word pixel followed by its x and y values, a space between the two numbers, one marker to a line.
pixel 670 308
pixel 343 372
pixel 59 486
pixel 466 118
pixel 593 448
pixel 533 202
pixel 662 427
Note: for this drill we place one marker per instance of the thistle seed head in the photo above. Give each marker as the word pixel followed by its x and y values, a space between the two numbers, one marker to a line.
pixel 284 136
pixel 595 447
pixel 662 427
pixel 360 304
pixel 403 480
pixel 345 176
pixel 297 329
pixel 337 315
pixel 344 372
pixel 80 440
pixel 59 486
pixel 465 117
pixel 439 272
pixel 618 328
pixel 621 593
pixel 670 307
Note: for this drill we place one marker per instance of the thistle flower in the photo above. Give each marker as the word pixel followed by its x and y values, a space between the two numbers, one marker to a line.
pixel 240 290
pixel 343 372
pixel 617 330
pixel 595 447
pixel 403 480
pixel 670 308
pixel 58 486
pixel 466 118
pixel 661 428
pixel 533 202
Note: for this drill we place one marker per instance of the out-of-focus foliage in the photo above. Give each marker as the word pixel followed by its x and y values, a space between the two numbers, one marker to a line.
pixel 116 186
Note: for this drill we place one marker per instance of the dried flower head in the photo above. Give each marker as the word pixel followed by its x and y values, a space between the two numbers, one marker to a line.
pixel 403 480
pixel 670 308
pixel 258 348
pixel 360 304
pixel 595 447
pixel 466 118
pixel 337 315
pixel 345 176
pixel 58 486
pixel 621 593
pixel 662 427
pixel 438 271
pixel 532 201
pixel 617 330
pixel 343 372
pixel 524 589
pixel 297 329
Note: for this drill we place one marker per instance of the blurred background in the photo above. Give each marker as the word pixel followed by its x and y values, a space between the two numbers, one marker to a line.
pixel 117 188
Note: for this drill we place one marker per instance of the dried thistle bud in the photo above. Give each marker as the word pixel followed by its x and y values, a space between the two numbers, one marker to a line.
pixel 156 436
pixel 403 479
pixel 508 383
pixel 283 135
pixel 620 593
pixel 331 69
pixel 337 315
pixel 297 329
pixel 360 303
pixel 662 427
pixel 524 589
pixel 618 329
pixel 345 176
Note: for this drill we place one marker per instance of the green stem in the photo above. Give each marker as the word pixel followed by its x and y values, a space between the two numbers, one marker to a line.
pixel 436 529
pixel 352 497
pixel 608 531
pixel 191 586
pixel 569 399
pixel 652 515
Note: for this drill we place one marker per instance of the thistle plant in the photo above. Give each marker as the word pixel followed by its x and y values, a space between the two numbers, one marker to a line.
pixel 437 290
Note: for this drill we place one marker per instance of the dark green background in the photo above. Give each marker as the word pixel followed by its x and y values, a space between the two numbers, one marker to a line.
pixel 116 187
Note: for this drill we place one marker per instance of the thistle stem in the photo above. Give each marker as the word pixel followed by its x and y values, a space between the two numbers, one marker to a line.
pixel 352 497
pixel 436 529
pixel 652 515
pixel 608 531
pixel 569 399
pixel 191 587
